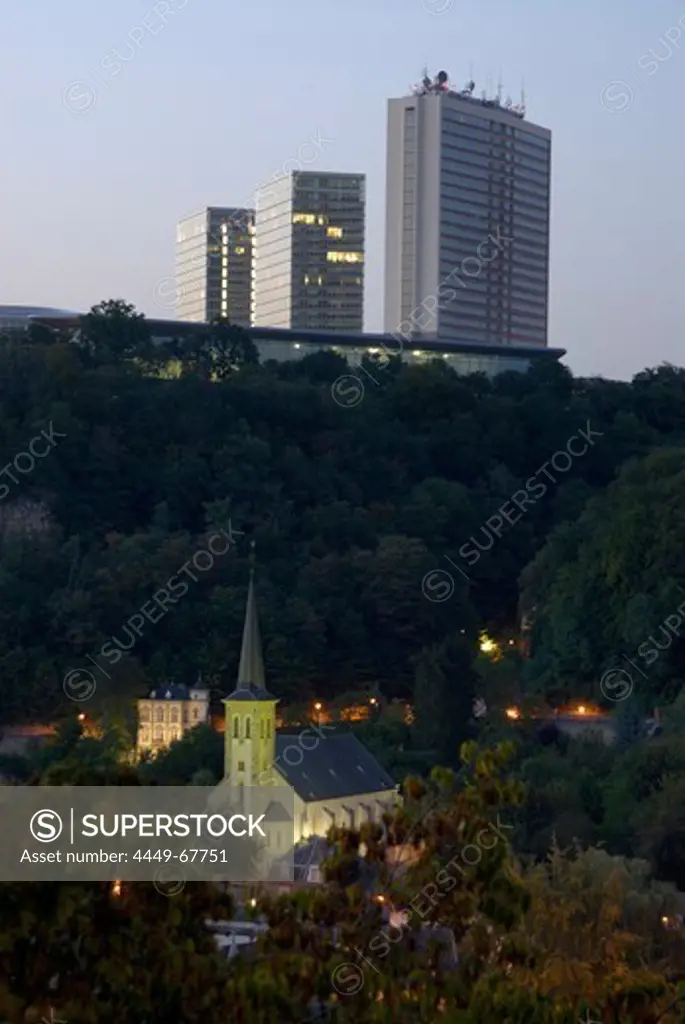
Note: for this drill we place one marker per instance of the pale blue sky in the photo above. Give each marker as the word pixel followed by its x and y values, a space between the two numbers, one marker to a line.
pixel 212 102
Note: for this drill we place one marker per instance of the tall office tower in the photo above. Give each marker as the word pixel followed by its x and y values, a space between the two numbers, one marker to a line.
pixel 309 252
pixel 467 228
pixel 214 265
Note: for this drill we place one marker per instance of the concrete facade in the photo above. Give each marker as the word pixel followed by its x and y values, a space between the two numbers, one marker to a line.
pixel 467 220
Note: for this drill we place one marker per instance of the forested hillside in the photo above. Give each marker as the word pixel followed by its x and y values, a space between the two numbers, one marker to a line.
pixel 155 450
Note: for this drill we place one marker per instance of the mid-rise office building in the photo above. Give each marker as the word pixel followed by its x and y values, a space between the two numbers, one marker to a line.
pixel 467 229
pixel 309 252
pixel 214 265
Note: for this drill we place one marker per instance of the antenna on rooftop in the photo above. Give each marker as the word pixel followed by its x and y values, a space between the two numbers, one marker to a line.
pixel 499 87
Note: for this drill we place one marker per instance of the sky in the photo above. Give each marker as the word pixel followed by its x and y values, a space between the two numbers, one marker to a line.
pixel 120 118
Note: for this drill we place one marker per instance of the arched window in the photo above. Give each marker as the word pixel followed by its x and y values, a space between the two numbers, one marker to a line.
pixel 236 728
pixel 174 714
pixel 248 728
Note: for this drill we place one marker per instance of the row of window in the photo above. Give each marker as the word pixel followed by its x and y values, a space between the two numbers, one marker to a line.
pixel 166 714
pixel 156 735
pixel 345 257
pixel 265 728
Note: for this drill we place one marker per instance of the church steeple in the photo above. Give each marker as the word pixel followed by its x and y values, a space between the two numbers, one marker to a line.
pixel 251 683
pixel 251 669
pixel 250 709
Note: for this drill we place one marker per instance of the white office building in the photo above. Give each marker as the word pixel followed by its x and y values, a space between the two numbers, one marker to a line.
pixel 467 219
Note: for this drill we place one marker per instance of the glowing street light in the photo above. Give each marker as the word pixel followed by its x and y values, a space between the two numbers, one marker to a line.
pixel 513 713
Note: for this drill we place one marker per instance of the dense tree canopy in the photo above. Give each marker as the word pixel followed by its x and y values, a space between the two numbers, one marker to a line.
pixel 124 459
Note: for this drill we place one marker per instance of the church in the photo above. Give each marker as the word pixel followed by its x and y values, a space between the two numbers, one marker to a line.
pixel 335 780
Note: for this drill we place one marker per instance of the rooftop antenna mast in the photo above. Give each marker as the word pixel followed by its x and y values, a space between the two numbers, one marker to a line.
pixel 499 88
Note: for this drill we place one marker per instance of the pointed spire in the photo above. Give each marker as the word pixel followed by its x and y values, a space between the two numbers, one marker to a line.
pixel 251 681
pixel 251 670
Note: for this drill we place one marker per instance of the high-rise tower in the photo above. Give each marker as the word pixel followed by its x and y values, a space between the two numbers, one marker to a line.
pixel 214 265
pixel 309 252
pixel 467 219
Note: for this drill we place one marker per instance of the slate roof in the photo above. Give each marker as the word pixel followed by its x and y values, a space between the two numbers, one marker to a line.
pixel 172 691
pixel 338 766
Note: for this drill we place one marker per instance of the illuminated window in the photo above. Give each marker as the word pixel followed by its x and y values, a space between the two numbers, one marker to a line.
pixel 320 280
pixel 321 220
pixel 345 257
pixel 306 278
pixel 334 232
pixel 304 218
pixel 240 250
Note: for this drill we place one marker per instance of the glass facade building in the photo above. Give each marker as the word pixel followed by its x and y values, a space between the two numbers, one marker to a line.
pixel 309 252
pixel 467 229
pixel 214 265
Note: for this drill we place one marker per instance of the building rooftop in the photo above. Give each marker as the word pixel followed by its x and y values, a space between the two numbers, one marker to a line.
pixel 339 766
pixel 440 86
pixel 176 691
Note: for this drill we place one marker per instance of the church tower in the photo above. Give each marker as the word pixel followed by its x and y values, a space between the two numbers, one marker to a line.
pixel 250 736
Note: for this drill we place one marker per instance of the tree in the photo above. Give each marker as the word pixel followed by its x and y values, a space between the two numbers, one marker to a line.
pixel 113 331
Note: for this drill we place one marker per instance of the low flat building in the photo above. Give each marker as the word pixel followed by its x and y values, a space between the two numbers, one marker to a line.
pixel 283 344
